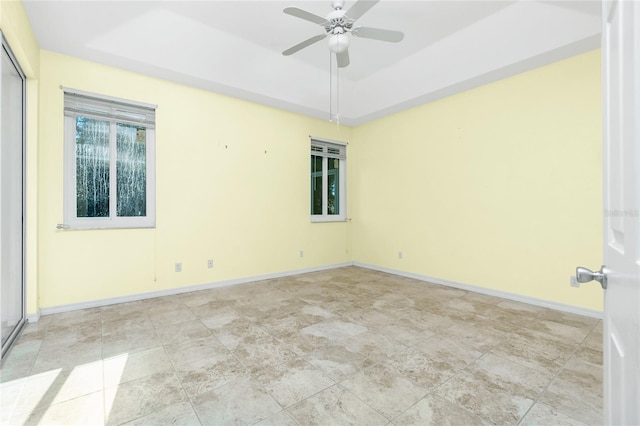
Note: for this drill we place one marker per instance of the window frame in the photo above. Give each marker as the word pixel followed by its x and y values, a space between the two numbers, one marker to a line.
pixel 113 221
pixel 342 183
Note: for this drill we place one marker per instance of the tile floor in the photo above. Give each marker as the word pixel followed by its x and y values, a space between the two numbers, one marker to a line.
pixel 345 346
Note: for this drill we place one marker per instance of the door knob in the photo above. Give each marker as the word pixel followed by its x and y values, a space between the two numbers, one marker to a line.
pixel 584 275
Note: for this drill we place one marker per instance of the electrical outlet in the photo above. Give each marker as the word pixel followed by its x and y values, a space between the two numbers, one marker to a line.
pixel 210 263
pixel 399 255
pixel 301 253
pixel 573 281
pixel 178 267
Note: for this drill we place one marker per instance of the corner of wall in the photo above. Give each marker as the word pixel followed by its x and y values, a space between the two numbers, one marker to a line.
pixel 16 28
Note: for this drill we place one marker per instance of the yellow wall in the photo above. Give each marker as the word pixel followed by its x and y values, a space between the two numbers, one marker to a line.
pixel 16 28
pixel 219 194
pixel 498 187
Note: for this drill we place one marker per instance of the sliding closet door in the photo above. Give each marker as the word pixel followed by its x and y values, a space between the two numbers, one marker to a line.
pixel 12 129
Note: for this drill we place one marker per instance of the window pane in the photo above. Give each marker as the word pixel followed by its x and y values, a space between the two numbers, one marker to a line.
pixel 316 184
pixel 131 170
pixel 92 167
pixel 333 194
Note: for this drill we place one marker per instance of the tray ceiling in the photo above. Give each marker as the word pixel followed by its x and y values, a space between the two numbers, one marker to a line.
pixel 235 47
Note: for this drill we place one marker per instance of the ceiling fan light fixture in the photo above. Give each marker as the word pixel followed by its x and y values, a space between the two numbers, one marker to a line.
pixel 338 43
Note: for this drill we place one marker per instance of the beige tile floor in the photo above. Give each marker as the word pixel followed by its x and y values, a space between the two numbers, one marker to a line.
pixel 345 346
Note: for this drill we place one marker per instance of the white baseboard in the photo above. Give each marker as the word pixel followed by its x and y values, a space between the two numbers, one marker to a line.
pixel 179 290
pixel 502 294
pixel 33 317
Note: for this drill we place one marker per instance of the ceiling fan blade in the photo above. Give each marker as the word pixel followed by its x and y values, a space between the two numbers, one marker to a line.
pixel 308 16
pixel 378 34
pixel 304 44
pixel 360 8
pixel 343 59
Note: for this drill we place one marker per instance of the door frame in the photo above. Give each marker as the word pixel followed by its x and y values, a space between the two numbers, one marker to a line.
pixel 4 350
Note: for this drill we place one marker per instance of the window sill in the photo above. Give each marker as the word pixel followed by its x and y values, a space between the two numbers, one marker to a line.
pixel 325 219
pixel 97 227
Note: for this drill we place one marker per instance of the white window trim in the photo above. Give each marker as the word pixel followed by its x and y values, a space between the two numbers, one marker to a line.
pixel 71 221
pixel 342 170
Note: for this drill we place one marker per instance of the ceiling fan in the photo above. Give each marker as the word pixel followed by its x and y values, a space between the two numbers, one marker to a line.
pixel 337 24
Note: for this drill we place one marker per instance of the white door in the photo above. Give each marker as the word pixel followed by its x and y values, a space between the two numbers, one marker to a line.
pixel 621 97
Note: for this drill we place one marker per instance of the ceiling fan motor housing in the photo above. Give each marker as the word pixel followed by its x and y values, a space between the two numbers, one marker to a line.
pixel 338 22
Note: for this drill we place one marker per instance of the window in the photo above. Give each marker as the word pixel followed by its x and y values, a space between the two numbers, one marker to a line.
pixel 109 162
pixel 328 171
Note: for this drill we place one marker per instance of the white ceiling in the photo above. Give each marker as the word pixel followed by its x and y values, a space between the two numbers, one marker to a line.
pixel 234 47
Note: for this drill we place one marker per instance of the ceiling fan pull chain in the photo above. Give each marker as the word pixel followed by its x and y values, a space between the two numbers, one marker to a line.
pixel 338 96
pixel 330 86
